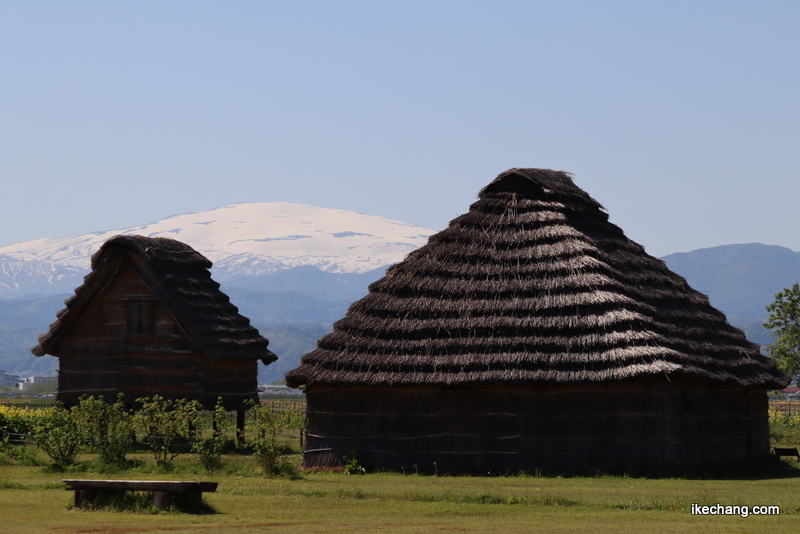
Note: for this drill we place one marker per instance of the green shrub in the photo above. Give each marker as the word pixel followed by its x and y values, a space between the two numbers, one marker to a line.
pixel 16 454
pixel 107 429
pixel 783 426
pixel 15 420
pixel 352 466
pixel 168 426
pixel 59 436
pixel 210 449
pixel 269 427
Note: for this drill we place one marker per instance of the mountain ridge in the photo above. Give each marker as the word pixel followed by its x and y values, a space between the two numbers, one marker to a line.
pixel 242 240
pixel 740 279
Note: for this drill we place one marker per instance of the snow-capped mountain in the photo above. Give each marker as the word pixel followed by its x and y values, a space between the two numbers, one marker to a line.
pixel 27 277
pixel 242 240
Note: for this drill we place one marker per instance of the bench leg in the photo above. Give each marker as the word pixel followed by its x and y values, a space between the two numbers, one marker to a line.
pixel 163 499
pixel 84 497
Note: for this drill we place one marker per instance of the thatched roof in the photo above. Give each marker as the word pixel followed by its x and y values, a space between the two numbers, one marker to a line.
pixel 533 284
pixel 180 279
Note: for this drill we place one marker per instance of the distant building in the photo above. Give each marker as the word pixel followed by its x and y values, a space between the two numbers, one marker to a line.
pixel 790 393
pixel 8 381
pixel 26 384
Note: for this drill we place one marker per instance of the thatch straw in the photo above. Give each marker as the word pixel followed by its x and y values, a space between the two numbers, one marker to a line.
pixel 533 284
pixel 180 279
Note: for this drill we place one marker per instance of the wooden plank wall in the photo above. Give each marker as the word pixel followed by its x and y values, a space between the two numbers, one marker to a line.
pixel 98 357
pixel 651 423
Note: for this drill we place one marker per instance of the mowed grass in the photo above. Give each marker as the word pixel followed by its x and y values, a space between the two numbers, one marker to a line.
pixel 33 500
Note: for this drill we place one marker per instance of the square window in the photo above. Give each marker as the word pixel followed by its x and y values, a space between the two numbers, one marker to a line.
pixel 140 317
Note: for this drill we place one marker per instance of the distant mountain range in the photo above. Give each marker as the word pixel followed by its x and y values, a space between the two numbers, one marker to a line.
pixel 244 241
pixel 293 284
pixel 740 280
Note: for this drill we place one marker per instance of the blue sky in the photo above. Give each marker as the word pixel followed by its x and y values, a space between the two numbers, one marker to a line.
pixel 681 118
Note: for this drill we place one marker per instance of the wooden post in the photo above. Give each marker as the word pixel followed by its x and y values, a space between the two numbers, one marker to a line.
pixel 240 426
pixel 163 499
pixel 84 497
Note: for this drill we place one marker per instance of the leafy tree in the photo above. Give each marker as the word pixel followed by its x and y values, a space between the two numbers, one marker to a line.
pixel 784 322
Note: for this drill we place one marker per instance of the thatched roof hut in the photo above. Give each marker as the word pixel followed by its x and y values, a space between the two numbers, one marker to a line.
pixel 531 333
pixel 149 320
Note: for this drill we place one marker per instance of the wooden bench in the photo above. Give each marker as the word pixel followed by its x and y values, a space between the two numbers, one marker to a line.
pixel 163 490
pixel 787 451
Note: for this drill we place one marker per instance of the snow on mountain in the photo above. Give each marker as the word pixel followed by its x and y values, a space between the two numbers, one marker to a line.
pixel 30 277
pixel 241 239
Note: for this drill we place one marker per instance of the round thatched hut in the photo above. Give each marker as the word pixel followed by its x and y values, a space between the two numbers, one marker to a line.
pixel 531 333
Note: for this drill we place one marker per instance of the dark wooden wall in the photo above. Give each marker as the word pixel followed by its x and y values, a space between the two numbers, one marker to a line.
pixel 647 423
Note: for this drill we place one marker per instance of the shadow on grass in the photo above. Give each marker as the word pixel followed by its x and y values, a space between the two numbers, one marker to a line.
pixel 766 468
pixel 141 502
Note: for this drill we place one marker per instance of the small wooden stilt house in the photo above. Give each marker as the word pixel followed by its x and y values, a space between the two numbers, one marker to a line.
pixel 532 334
pixel 149 320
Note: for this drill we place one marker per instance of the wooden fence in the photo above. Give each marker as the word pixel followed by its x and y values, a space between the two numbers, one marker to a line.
pixel 286 404
pixel 792 407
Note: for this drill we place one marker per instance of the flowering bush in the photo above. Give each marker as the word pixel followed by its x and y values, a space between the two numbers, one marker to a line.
pixel 15 420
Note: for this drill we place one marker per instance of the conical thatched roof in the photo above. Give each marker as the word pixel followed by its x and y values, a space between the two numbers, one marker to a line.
pixel 533 284
pixel 180 279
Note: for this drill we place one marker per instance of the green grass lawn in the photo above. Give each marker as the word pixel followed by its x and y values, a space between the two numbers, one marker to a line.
pixel 33 500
